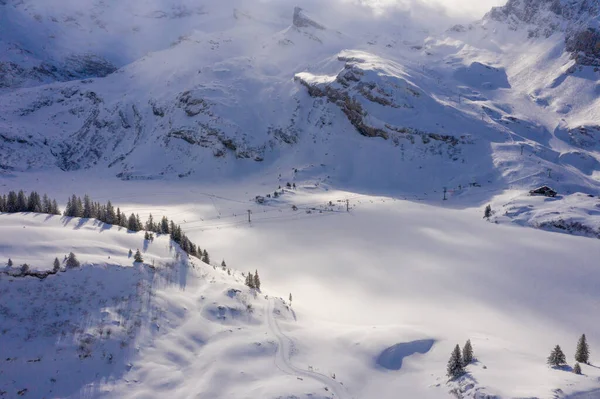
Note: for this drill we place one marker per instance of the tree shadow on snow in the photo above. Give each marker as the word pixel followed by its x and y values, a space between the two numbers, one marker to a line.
pixel 76 330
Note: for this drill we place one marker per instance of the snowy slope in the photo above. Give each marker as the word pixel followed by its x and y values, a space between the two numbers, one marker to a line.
pixel 117 329
pixel 380 297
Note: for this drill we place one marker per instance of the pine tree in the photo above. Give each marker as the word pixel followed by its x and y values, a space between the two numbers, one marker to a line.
pixel 24 268
pixel 87 207
pixel 205 257
pixel 256 280
pixel 223 265
pixel 132 223
pixel 110 216
pixel 46 204
pixel 72 261
pixel 488 212
pixel 582 354
pixel 455 366
pixel 34 203
pixel 56 266
pixel 467 353
pixel 21 202
pixel 577 368
pixel 11 202
pixel 138 257
pixel 290 298
pixel 10 262
pixel 55 209
pixel 250 280
pixel 164 225
pixel 150 224
pixel 146 236
pixel 557 357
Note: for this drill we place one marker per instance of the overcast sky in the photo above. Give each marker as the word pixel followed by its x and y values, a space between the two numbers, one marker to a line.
pixel 457 8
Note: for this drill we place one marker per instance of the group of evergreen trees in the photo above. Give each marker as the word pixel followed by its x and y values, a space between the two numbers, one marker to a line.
pixel 71 262
pixel 19 202
pixel 253 280
pixel 86 208
pixel 557 357
pixel 458 362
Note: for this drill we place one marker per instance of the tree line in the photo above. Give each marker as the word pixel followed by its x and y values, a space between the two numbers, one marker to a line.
pixel 16 202
pixel 107 213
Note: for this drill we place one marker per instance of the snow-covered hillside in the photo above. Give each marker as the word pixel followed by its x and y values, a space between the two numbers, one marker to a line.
pixel 380 297
pixel 347 152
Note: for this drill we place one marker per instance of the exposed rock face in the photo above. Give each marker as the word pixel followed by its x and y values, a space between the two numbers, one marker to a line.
pixel 358 89
pixel 584 47
pixel 301 20
pixel 578 19
pixel 13 75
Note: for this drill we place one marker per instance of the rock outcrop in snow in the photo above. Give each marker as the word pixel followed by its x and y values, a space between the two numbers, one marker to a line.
pixel 579 20
pixel 302 20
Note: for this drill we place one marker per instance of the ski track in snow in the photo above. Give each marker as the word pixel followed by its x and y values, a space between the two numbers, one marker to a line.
pixel 284 362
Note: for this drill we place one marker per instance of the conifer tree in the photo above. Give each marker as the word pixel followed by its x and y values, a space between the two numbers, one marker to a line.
pixel 256 280
pixel 150 223
pixel 205 257
pixel 164 225
pixel 46 204
pixel 24 268
pixel 488 212
pixel 223 265
pixel 557 357
pixel 56 265
pixel 124 221
pixel 582 354
pixel 146 236
pixel 250 280
pixel 21 202
pixel 577 368
pixel 467 353
pixel 110 216
pixel 87 207
pixel 55 209
pixel 132 223
pixel 34 203
pixel 290 298
pixel 455 366
pixel 11 202
pixel 72 261
pixel 10 262
pixel 138 257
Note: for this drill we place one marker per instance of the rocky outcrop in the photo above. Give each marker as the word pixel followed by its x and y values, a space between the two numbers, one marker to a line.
pixel 578 19
pixel 75 67
pixel 301 20
pixel 357 89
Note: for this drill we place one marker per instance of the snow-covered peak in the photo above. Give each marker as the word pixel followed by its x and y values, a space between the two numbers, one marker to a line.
pixel 303 20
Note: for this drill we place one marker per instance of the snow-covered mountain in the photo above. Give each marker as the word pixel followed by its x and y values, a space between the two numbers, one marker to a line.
pixel 395 134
